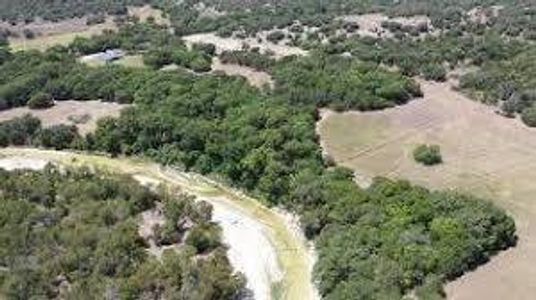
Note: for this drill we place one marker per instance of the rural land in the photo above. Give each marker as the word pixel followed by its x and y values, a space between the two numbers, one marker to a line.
pixel 268 149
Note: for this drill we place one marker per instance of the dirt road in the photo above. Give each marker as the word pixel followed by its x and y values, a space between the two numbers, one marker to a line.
pixel 263 243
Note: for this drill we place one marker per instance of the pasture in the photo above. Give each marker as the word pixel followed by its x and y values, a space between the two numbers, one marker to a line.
pixel 83 114
pixel 484 154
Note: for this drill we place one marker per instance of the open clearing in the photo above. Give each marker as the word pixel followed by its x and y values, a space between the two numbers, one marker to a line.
pixel 264 243
pixel 232 43
pixel 255 78
pixel 484 154
pixel 83 114
pixel 49 34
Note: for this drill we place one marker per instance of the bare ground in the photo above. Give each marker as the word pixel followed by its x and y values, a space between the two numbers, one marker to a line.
pixel 255 78
pixel 484 154
pixel 231 43
pixel 65 111
pixel 371 24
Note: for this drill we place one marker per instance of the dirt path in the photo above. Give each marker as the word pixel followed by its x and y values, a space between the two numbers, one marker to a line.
pixel 484 154
pixel 263 243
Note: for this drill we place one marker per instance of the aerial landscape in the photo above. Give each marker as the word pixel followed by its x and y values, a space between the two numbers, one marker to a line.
pixel 268 149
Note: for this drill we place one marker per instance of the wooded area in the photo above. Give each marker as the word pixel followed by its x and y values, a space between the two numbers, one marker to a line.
pixel 74 234
pixel 379 243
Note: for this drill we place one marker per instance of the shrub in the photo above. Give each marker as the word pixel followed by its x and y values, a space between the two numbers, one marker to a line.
pixel 207 48
pixel 275 36
pixel 204 238
pixel 428 154
pixel 41 101
pixel 528 116
pixel 434 72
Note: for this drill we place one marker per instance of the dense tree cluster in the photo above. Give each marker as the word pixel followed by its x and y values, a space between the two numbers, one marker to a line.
pixel 342 83
pixel 514 19
pixel 74 234
pixel 27 10
pixel 393 237
pixel 27 130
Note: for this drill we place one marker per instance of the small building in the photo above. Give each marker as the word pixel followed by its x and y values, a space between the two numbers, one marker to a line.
pixel 106 56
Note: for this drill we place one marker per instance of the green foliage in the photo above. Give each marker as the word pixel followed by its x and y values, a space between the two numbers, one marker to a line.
pixel 397 237
pixel 77 228
pixel 204 237
pixel 434 72
pixel 379 243
pixel 275 36
pixel 19 131
pixel 253 59
pixel 427 154
pixel 41 101
pixel 57 136
pixel 342 83
pixel 529 116
pixel 55 11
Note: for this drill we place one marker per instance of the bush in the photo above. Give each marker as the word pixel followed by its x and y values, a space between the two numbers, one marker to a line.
pixel 428 154
pixel 204 238
pixel 58 136
pixel 207 48
pixel 41 101
pixel 528 116
pixel 275 36
pixel 434 72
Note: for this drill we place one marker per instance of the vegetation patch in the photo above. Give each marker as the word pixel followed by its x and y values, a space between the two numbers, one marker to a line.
pixel 428 155
pixel 81 238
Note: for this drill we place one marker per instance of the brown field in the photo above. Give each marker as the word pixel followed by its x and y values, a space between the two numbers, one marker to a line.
pixel 484 154
pixel 64 112
pixel 51 34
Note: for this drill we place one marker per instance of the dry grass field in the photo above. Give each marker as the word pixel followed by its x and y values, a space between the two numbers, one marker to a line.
pixel 64 32
pixel 51 34
pixel 83 114
pixel 484 154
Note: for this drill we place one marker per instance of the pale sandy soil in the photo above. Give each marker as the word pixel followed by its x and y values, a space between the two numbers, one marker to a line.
pixel 371 24
pixel 22 163
pixel 265 244
pixel 255 78
pixel 63 110
pixel 231 43
pixel 484 154
pixel 482 15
